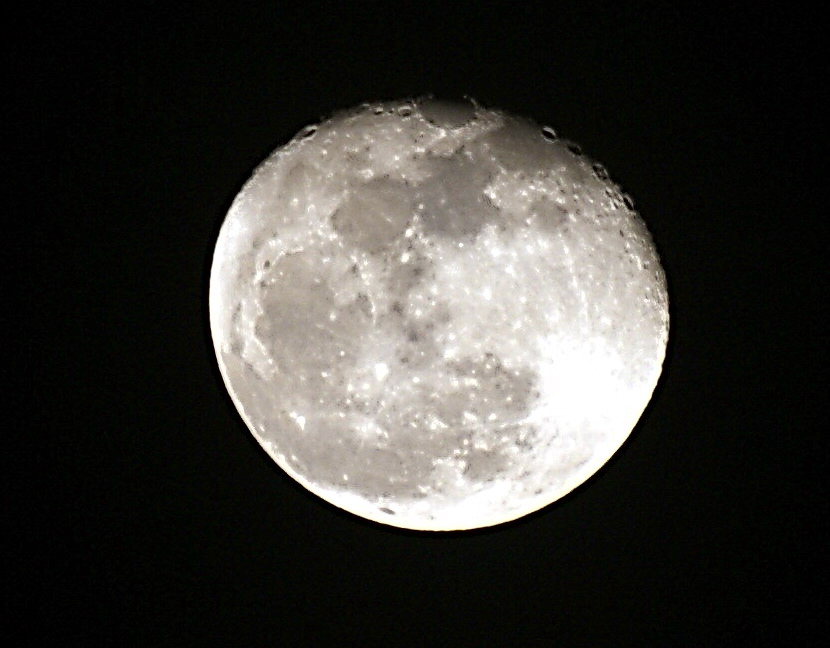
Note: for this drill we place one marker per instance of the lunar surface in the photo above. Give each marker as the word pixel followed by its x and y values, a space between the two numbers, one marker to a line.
pixel 435 315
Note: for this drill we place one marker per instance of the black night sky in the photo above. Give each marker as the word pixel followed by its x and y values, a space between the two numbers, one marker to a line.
pixel 139 509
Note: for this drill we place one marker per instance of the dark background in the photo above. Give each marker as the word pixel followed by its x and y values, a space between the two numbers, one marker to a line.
pixel 139 509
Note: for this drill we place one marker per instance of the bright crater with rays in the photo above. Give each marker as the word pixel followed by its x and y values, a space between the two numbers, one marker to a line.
pixel 436 315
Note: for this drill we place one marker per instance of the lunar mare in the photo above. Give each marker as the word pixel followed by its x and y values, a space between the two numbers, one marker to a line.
pixel 435 315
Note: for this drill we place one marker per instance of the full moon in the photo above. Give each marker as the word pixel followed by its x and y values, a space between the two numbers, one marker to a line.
pixel 436 315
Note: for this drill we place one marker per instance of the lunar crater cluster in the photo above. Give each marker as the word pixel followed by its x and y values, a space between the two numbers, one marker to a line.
pixel 435 315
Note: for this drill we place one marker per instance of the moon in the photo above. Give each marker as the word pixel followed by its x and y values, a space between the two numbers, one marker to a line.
pixel 436 315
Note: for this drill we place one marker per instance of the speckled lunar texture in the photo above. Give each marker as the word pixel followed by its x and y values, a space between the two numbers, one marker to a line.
pixel 435 315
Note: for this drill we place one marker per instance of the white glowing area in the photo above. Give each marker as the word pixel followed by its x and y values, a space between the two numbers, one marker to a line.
pixel 436 316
